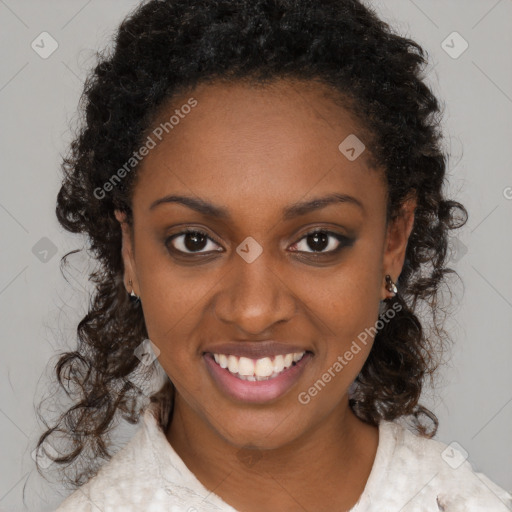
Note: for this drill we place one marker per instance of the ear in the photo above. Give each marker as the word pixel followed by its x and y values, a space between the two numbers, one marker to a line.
pixel 127 254
pixel 398 232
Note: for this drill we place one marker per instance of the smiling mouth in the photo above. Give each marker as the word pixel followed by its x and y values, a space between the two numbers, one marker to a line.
pixel 255 370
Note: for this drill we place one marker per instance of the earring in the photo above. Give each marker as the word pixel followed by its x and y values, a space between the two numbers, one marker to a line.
pixel 391 286
pixel 133 296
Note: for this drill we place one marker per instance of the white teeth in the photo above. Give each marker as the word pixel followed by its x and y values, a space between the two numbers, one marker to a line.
pixel 233 364
pixel 260 369
pixel 278 363
pixel 245 366
pixel 264 367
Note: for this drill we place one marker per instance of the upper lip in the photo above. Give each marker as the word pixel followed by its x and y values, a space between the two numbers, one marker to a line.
pixel 254 349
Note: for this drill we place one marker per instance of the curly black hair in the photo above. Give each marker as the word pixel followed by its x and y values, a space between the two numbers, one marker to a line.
pixel 165 48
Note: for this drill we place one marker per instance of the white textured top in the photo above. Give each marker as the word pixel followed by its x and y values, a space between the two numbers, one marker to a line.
pixel 410 474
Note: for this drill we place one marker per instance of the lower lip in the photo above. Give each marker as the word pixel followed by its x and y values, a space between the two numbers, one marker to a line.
pixel 255 391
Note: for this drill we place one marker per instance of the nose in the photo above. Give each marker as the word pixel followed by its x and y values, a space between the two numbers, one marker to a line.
pixel 254 297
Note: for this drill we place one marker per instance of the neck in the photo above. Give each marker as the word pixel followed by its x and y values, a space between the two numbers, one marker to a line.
pixel 331 461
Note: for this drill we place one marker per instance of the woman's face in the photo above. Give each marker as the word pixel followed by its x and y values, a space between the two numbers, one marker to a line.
pixel 250 169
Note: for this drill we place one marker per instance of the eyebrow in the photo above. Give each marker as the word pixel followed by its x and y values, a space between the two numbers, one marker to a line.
pixel 290 212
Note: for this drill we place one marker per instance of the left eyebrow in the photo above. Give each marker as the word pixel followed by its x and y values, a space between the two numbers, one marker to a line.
pixel 294 210
pixel 321 202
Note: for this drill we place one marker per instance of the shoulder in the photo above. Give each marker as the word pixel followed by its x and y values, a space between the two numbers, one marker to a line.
pixel 146 474
pixel 118 482
pixel 428 472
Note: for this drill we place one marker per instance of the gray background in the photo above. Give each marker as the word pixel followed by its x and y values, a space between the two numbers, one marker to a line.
pixel 39 310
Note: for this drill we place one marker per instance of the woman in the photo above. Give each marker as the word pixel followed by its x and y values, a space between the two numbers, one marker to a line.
pixel 261 183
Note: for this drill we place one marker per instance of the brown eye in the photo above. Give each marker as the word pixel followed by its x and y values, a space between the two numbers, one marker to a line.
pixel 191 242
pixel 320 240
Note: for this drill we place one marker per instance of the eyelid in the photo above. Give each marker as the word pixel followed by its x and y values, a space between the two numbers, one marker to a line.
pixel 185 231
pixel 343 241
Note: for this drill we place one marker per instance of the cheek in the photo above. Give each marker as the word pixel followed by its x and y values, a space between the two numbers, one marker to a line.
pixel 171 306
pixel 346 298
pixel 171 298
pixel 344 305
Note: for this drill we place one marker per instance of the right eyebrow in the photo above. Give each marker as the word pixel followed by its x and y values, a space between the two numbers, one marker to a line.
pixel 199 205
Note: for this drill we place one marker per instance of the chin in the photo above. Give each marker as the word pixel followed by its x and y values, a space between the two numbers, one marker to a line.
pixel 262 430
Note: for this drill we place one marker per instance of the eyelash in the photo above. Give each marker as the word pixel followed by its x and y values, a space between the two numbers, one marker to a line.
pixel 343 241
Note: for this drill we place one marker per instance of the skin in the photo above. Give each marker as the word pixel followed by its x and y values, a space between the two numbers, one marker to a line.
pixel 256 151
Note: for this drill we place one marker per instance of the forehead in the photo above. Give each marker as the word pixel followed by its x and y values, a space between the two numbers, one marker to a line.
pixel 258 145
